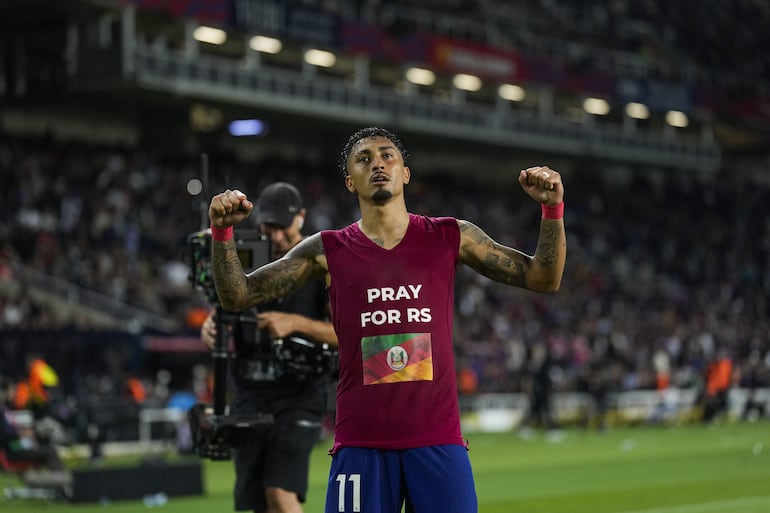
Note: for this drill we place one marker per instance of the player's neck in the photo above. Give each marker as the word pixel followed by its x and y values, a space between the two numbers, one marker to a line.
pixel 384 224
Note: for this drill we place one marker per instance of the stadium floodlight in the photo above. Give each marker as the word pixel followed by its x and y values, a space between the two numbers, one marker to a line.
pixel 677 118
pixel 637 110
pixel 466 82
pixel 420 76
pixel 246 127
pixel 511 92
pixel 265 44
pixel 596 106
pixel 320 58
pixel 211 35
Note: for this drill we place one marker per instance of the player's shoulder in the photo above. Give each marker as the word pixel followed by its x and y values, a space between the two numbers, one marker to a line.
pixel 436 228
pixel 339 233
pixel 469 231
pixel 332 239
pixel 434 222
pixel 310 246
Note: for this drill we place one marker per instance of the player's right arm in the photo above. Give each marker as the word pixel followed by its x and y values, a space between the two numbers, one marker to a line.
pixel 238 291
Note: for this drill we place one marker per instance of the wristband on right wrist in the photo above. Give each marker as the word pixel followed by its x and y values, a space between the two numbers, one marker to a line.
pixel 221 234
pixel 553 211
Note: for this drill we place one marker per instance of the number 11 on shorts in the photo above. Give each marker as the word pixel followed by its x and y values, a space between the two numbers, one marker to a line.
pixel 355 480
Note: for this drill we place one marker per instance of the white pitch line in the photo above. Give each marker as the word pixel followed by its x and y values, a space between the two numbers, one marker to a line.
pixel 700 507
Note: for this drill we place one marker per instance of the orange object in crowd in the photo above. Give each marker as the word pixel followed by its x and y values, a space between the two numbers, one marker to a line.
pixel 41 376
pixel 22 395
pixel 468 382
pixel 136 390
pixel 195 317
pixel 718 376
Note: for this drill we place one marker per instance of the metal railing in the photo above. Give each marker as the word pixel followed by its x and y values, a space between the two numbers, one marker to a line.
pixel 330 97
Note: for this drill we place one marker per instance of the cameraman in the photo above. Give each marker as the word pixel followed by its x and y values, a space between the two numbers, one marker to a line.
pixel 272 474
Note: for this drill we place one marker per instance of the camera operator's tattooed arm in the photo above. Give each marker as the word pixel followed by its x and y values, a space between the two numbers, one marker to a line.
pixel 238 291
pixel 541 272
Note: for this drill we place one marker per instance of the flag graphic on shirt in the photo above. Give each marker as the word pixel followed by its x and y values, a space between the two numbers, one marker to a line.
pixel 395 358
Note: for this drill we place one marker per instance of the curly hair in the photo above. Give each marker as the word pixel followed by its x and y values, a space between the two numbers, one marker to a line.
pixel 364 133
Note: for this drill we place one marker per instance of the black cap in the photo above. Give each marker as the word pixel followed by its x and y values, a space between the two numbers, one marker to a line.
pixel 278 203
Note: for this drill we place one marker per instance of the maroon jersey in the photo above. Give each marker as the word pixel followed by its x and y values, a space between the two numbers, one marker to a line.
pixel 392 311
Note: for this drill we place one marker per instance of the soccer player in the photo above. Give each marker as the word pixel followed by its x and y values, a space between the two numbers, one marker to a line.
pixel 390 280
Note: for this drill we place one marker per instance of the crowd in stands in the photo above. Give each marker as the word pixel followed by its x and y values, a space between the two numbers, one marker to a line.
pixel 670 40
pixel 665 270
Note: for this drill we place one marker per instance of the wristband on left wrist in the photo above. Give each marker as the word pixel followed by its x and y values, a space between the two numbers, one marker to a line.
pixel 553 211
pixel 221 234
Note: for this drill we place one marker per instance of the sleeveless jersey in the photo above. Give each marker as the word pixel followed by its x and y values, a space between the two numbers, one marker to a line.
pixel 392 311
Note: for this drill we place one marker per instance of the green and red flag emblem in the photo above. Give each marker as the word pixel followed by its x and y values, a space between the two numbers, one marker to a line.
pixel 395 358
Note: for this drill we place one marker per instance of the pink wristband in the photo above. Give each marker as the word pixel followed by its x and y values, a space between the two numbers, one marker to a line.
pixel 553 211
pixel 221 234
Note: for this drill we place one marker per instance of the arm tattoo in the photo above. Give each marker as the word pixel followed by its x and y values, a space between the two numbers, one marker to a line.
pixel 541 272
pixel 493 260
pixel 288 274
pixel 268 283
pixel 227 272
pixel 546 246
pixel 280 281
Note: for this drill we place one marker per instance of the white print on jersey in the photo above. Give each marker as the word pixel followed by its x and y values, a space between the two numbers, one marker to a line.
pixel 380 317
pixel 391 294
pixel 393 315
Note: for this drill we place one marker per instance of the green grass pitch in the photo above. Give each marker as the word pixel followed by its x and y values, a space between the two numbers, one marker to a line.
pixel 692 469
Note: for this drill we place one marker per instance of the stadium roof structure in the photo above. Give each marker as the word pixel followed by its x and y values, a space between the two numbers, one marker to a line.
pixel 125 53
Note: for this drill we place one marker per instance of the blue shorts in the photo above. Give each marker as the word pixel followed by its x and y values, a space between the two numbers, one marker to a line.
pixel 426 479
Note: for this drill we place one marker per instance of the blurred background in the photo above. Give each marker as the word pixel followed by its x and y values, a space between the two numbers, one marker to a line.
pixel 119 119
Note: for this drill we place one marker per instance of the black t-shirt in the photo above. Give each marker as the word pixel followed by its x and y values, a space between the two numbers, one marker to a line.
pixel 289 390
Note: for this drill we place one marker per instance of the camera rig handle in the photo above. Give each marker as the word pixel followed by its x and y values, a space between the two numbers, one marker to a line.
pixel 221 356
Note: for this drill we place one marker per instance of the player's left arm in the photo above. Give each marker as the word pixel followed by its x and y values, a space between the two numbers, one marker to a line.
pixel 540 272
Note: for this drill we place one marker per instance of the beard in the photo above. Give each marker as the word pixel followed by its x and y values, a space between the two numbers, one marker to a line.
pixel 381 196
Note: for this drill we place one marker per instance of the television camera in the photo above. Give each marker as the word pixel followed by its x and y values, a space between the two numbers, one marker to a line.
pixel 255 356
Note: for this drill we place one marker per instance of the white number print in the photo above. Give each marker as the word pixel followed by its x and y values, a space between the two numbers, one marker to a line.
pixel 356 480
